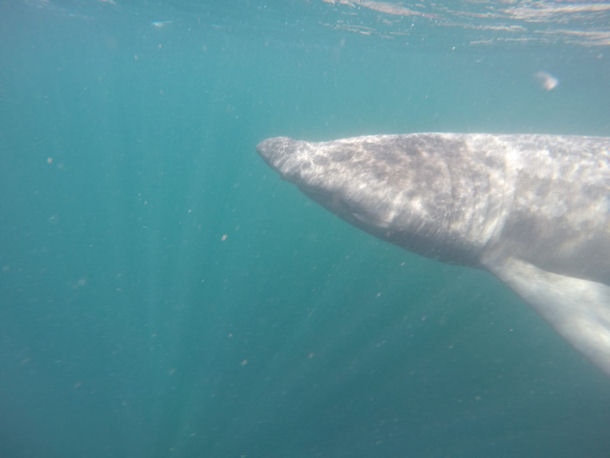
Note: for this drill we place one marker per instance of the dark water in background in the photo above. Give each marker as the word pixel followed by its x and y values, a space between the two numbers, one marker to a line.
pixel 163 293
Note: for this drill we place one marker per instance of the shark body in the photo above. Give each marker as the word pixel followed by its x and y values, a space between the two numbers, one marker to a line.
pixel 534 210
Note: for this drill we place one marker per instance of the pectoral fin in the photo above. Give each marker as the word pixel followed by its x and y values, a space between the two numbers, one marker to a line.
pixel 578 309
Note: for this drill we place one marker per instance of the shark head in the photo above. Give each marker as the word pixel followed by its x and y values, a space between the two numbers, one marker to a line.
pixel 400 189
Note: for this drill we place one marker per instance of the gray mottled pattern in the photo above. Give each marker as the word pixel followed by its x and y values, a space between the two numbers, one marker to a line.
pixel 532 209
pixel 462 197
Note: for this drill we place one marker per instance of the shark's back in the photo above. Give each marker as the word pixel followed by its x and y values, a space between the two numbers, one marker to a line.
pixel 558 213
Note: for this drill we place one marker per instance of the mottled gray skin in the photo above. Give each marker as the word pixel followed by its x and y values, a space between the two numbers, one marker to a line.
pixel 534 210
pixel 466 198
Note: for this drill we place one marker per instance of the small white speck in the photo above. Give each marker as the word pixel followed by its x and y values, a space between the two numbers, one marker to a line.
pixel 547 81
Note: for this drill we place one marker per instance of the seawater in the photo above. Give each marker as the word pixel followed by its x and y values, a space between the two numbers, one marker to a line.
pixel 163 293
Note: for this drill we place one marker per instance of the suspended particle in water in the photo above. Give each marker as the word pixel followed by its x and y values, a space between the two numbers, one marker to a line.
pixel 547 81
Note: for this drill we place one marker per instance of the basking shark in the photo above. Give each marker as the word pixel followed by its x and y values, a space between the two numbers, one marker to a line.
pixel 534 210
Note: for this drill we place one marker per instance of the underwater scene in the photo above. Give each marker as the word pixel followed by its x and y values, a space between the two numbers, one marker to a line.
pixel 165 293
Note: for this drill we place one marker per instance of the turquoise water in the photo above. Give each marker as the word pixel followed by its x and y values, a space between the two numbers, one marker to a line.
pixel 164 293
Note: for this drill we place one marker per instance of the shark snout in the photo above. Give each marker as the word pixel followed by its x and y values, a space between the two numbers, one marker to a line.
pixel 274 147
pixel 277 152
pixel 265 147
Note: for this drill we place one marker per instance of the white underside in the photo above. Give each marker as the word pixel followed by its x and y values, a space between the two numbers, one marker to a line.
pixel 578 309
